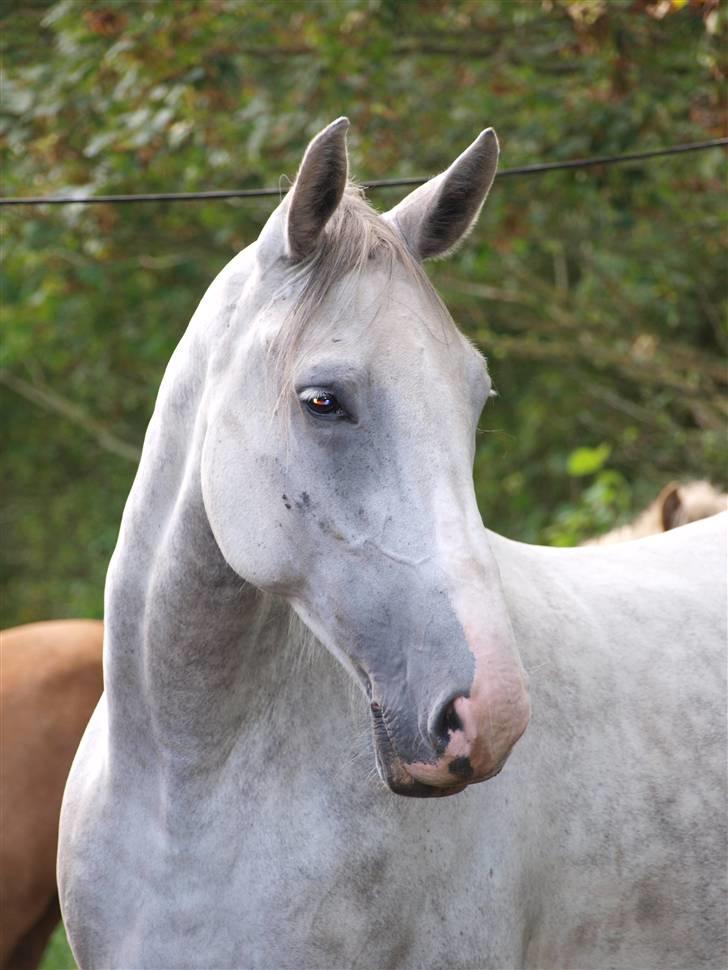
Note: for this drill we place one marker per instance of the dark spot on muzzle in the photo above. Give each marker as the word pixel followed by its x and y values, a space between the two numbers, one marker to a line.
pixel 461 768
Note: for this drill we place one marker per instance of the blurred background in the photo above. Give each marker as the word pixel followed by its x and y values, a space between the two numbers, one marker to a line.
pixel 596 294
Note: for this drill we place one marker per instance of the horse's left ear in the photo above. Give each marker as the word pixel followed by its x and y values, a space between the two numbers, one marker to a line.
pixel 439 214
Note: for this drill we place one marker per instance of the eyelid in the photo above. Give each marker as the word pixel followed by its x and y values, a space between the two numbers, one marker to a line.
pixel 309 393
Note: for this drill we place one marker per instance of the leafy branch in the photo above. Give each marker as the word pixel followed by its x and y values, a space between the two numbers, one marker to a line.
pixel 45 397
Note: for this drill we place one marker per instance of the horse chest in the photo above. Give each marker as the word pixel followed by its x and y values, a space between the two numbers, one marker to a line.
pixel 307 878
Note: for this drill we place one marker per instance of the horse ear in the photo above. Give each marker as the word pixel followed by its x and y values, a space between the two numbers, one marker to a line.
pixel 439 214
pixel 669 503
pixel 318 189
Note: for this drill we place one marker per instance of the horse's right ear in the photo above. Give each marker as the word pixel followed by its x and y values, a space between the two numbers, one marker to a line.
pixel 318 189
pixel 296 225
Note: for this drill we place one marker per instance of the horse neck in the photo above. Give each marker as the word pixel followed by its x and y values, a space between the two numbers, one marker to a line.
pixel 190 648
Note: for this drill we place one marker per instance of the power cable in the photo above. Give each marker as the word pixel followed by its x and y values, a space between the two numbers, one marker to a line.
pixel 375 184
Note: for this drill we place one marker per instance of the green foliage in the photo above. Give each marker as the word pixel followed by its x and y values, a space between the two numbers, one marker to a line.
pixel 596 295
pixel 58 954
pixel 594 510
pixel 586 461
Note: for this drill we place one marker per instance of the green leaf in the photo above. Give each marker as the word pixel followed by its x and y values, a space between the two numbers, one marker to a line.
pixel 587 461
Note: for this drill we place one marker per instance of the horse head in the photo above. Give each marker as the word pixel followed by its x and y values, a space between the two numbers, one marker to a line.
pixel 337 462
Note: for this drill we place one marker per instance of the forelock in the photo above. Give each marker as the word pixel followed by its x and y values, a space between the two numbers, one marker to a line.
pixel 355 239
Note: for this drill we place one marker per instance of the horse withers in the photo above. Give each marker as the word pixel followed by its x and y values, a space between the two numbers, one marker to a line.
pixel 309 464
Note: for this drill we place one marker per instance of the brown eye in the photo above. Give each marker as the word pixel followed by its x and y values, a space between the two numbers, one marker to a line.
pixel 324 404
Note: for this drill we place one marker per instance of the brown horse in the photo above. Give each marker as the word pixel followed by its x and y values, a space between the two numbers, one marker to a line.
pixel 677 504
pixel 50 681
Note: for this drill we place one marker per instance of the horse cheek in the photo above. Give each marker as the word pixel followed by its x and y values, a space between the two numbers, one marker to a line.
pixel 254 533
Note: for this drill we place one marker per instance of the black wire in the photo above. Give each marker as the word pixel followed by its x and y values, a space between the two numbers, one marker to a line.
pixel 375 184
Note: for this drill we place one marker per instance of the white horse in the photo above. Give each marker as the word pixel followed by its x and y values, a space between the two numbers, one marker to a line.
pixel 311 454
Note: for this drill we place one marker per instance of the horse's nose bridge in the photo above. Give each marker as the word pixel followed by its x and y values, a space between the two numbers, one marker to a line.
pixel 435 666
pixel 459 702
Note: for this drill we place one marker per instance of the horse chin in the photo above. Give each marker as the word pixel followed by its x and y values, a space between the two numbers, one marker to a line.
pixel 417 789
pixel 399 781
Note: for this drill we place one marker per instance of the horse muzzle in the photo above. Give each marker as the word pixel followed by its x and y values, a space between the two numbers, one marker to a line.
pixel 469 741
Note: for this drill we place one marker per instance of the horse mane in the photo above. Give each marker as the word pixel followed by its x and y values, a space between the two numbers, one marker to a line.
pixel 355 237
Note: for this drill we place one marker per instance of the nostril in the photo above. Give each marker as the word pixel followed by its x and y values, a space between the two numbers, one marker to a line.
pixel 445 722
pixel 451 719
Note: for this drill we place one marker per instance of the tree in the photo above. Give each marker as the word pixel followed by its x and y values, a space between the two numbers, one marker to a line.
pixel 594 294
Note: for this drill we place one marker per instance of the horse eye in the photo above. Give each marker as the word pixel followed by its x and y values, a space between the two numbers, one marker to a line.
pixel 322 403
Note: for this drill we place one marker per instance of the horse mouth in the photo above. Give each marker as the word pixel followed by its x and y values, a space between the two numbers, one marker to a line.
pixel 417 789
pixel 397 778
pixel 393 773
pixel 399 781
